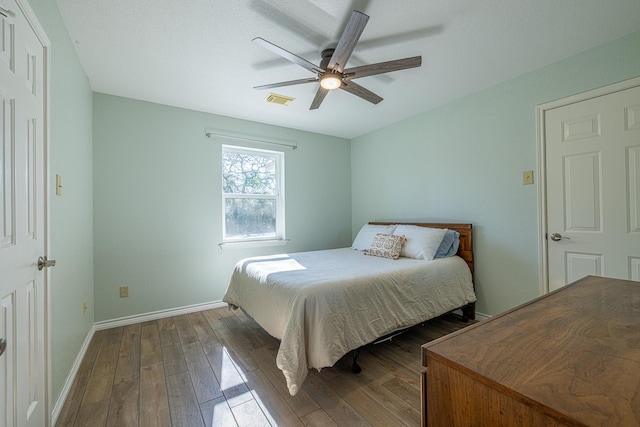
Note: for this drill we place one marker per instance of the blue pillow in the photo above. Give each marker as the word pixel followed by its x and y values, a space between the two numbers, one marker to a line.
pixel 449 245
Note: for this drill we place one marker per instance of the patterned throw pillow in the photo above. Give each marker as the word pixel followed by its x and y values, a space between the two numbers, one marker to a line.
pixel 386 245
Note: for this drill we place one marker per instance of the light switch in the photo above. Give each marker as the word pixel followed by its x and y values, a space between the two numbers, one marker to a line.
pixel 527 177
pixel 58 185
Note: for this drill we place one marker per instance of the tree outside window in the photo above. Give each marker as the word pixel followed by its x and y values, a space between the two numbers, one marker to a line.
pixel 252 192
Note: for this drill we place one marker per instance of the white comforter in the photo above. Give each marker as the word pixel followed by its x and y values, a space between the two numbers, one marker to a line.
pixel 323 304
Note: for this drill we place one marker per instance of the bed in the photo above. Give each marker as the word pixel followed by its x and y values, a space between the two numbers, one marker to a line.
pixel 323 304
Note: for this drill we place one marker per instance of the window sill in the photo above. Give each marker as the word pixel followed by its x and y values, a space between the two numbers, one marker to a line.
pixel 252 244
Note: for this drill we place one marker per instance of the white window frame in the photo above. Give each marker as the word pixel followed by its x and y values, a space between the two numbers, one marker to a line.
pixel 279 237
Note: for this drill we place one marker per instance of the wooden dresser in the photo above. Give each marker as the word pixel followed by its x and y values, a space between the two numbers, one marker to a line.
pixel 569 358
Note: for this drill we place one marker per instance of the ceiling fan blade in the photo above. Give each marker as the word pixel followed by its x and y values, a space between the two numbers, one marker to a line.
pixel 356 89
pixel 288 55
pixel 289 83
pixel 348 41
pixel 383 67
pixel 320 94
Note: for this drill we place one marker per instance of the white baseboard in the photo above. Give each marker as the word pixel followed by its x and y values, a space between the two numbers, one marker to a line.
pixel 57 408
pixel 482 316
pixel 479 316
pixel 155 315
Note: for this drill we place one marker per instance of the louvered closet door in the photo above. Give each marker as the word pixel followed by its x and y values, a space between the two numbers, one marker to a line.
pixel 593 188
pixel 22 287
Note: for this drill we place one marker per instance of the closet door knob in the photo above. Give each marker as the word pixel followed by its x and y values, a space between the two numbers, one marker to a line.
pixel 44 262
pixel 556 237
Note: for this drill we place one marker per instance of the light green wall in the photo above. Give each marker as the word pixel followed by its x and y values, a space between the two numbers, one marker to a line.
pixel 157 202
pixel 463 162
pixel 71 214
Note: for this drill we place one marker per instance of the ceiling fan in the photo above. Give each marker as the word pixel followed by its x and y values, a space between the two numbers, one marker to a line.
pixel 331 72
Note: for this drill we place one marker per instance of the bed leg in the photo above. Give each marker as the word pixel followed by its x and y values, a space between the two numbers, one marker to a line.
pixel 354 366
pixel 468 312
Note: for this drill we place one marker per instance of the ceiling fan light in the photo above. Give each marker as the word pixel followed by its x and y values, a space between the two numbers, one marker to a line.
pixel 330 81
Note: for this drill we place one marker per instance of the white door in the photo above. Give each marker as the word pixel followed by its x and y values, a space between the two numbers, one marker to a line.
pixel 23 400
pixel 593 188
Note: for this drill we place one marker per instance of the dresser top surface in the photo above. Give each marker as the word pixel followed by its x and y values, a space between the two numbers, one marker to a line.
pixel 574 350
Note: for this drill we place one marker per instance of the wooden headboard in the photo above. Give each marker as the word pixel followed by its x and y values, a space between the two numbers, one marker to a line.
pixel 465 251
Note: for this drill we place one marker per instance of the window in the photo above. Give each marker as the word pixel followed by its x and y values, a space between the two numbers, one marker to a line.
pixel 252 194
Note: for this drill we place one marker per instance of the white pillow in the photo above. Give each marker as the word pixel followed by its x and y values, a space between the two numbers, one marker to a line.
pixel 365 236
pixel 422 242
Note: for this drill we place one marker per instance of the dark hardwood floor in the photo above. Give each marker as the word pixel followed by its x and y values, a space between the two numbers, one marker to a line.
pixel 217 368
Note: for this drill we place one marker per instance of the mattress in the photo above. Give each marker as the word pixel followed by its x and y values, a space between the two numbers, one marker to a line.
pixel 323 304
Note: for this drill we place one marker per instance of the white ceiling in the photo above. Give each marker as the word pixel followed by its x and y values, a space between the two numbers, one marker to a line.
pixel 198 54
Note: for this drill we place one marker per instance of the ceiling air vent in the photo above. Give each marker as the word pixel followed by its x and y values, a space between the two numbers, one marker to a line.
pixel 274 98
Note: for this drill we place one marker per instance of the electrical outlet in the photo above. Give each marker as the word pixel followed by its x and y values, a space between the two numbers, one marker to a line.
pixel 124 291
pixel 84 308
pixel 527 177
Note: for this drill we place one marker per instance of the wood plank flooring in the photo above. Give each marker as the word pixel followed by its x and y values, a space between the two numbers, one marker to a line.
pixel 217 368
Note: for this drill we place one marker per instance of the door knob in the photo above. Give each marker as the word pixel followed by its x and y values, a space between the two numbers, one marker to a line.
pixel 44 262
pixel 556 237
pixel 3 346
